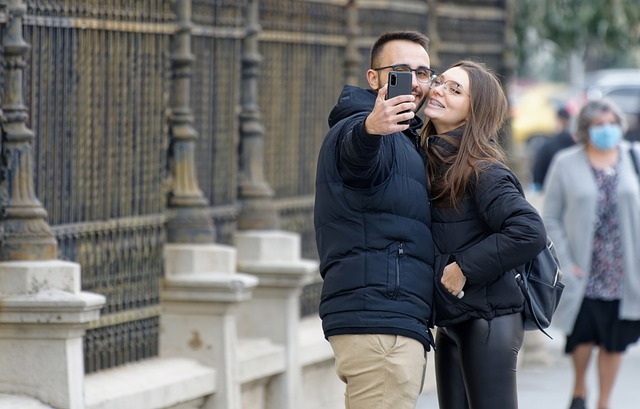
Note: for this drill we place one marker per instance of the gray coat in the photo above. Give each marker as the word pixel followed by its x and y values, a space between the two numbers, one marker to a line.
pixel 569 214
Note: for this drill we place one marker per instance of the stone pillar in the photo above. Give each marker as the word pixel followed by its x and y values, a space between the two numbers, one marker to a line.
pixel 435 44
pixel 189 221
pixel 199 300
pixel 42 320
pixel 274 257
pixel 535 350
pixel 24 232
pixel 352 59
pixel 257 210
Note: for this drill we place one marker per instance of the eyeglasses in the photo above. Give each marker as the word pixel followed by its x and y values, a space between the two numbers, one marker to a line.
pixel 450 87
pixel 423 74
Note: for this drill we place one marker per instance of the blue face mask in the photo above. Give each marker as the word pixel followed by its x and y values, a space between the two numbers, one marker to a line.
pixel 605 136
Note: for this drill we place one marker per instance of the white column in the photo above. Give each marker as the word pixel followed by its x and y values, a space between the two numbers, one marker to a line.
pixel 535 350
pixel 200 296
pixel 42 320
pixel 274 257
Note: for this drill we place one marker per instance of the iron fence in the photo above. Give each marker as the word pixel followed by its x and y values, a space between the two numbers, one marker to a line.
pixel 97 88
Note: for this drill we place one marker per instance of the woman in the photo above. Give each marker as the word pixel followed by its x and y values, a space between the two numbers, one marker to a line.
pixel 483 228
pixel 592 211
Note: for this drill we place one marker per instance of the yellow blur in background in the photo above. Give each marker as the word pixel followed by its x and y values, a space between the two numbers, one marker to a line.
pixel 534 108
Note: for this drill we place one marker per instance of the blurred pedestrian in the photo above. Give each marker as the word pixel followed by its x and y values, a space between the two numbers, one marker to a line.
pixel 633 133
pixel 592 213
pixel 562 139
pixel 372 231
pixel 483 228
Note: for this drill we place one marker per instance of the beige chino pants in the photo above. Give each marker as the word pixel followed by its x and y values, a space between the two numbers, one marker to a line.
pixel 380 371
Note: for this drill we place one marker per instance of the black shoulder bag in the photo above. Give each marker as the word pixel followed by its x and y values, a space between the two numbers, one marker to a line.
pixel 540 280
pixel 541 285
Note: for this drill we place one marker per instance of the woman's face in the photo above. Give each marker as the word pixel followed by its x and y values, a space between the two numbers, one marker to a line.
pixel 605 118
pixel 604 131
pixel 448 101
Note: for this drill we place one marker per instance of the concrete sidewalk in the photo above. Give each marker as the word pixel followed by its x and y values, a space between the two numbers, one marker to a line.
pixel 550 387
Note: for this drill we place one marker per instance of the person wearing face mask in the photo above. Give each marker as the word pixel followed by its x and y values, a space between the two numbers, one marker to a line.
pixel 484 229
pixel 591 209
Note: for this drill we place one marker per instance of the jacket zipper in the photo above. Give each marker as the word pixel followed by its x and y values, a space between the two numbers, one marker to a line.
pixel 400 254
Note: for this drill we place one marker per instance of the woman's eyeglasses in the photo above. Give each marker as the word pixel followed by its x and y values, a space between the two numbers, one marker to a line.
pixel 423 74
pixel 450 87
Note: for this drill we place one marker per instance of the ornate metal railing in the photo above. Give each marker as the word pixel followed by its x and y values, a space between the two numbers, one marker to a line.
pixel 147 122
pixel 97 80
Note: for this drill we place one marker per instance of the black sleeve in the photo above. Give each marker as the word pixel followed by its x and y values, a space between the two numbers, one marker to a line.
pixel 517 231
pixel 364 160
pixel 541 163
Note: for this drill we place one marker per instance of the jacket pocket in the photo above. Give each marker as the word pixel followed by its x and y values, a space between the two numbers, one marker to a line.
pixel 394 269
pixel 441 262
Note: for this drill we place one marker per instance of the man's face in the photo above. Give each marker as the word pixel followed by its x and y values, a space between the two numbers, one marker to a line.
pixel 406 53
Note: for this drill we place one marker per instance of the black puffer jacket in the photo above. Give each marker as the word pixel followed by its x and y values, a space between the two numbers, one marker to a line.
pixel 494 231
pixel 372 227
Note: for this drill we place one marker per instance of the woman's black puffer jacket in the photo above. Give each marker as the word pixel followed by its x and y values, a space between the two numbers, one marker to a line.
pixel 495 230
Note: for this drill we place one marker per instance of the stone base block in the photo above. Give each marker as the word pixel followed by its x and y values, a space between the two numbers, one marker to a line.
pixel 154 383
pixel 268 246
pixel 199 258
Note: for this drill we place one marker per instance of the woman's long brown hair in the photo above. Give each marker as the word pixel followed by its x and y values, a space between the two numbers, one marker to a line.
pixel 450 174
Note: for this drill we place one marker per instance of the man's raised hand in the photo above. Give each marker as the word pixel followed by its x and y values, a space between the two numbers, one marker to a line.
pixel 386 114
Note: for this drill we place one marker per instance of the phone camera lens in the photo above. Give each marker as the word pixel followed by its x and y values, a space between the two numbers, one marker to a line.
pixel 393 80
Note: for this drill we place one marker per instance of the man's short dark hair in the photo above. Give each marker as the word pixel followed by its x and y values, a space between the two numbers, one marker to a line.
pixel 412 36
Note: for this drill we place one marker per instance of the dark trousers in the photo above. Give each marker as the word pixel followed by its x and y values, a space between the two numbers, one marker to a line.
pixel 476 363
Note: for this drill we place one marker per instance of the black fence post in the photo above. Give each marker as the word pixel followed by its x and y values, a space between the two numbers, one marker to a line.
pixel 24 231
pixel 189 221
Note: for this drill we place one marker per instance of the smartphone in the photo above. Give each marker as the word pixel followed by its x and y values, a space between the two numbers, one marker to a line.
pixel 399 84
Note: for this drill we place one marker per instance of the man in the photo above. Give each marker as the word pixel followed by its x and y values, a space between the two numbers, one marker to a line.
pixel 563 139
pixel 372 223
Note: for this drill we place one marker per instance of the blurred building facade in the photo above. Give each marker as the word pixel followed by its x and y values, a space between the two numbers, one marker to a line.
pixel 157 182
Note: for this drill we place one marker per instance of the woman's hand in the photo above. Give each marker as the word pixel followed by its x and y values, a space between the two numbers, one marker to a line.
pixel 453 279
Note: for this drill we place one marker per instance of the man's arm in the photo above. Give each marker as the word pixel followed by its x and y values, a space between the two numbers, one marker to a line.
pixel 363 158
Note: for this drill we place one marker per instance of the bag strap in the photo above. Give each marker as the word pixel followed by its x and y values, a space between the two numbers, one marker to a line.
pixel 521 280
pixel 634 159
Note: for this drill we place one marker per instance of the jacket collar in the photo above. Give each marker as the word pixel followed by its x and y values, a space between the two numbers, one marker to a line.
pixel 443 144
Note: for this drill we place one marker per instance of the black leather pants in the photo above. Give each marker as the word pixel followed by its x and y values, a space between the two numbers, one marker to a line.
pixel 476 363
